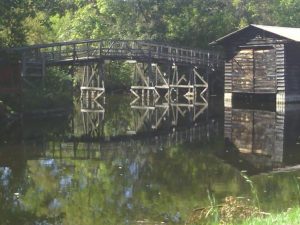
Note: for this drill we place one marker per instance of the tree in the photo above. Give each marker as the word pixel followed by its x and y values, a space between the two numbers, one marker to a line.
pixel 12 14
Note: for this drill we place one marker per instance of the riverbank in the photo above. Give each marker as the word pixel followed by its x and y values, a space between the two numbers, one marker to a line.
pixel 291 216
pixel 238 210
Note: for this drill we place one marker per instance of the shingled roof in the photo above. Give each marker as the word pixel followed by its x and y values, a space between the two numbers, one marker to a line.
pixel 290 33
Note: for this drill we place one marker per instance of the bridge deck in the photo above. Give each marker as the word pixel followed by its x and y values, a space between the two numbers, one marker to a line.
pixel 143 51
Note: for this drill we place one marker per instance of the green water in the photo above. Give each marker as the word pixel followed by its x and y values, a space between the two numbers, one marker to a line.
pixel 120 164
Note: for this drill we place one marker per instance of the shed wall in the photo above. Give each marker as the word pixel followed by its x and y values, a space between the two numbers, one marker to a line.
pixel 292 78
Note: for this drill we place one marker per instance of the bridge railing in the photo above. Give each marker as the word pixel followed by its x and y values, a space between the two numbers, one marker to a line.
pixel 123 49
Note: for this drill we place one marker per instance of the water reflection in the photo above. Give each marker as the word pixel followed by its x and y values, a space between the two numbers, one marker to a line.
pixel 264 139
pixel 64 171
pixel 114 163
pixel 96 128
pixel 140 118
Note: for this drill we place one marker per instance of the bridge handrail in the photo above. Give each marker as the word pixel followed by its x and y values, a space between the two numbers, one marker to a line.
pixel 66 43
pixel 122 48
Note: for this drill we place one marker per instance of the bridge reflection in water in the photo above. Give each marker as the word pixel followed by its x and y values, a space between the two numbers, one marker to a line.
pixel 160 125
pixel 263 139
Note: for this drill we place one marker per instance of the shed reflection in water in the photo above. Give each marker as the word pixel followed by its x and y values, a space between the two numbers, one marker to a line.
pixel 264 139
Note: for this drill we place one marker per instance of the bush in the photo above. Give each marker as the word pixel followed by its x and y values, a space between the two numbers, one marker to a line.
pixel 54 91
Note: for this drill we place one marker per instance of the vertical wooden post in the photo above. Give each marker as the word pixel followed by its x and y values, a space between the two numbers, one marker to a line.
pixel 150 72
pixel 195 88
pixel 74 52
pixel 23 73
pixel 59 52
pixel 207 81
pixel 143 96
pixel 169 80
pixel 100 48
pixel 43 69
pixel 148 96
pixel 253 72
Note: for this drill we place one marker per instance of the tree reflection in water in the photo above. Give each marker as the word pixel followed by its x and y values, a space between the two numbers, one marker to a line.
pixel 60 176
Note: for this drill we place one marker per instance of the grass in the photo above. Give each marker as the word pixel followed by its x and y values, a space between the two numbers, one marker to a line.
pixel 238 210
pixel 290 217
pixel 230 211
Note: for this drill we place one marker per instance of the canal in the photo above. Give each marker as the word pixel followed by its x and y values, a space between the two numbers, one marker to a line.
pixel 120 162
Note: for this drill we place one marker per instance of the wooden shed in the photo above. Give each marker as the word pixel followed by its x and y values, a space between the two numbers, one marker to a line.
pixel 262 60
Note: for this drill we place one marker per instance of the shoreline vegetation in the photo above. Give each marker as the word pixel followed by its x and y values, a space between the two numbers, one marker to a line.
pixel 244 210
pixel 290 217
pixel 237 210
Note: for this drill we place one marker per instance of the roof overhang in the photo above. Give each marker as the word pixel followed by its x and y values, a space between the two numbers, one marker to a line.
pixel 290 33
pixel 230 35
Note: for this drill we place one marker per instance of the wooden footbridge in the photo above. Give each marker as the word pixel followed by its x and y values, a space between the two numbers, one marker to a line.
pixel 159 69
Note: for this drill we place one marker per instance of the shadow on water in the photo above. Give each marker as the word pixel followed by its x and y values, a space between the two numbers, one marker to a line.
pixel 117 163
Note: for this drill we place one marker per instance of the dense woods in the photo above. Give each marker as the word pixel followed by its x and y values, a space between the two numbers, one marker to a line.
pixel 192 23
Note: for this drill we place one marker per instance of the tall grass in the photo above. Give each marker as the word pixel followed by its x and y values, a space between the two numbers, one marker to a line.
pixel 252 188
pixel 205 215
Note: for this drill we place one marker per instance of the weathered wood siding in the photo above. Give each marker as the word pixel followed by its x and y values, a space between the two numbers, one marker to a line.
pixel 255 63
pixel 280 68
pixel 253 71
pixel 228 77
pixel 292 60
pixel 264 70
pixel 242 71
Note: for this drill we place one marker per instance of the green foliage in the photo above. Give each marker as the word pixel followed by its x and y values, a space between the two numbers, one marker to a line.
pixel 194 23
pixel 12 14
pixel 36 31
pixel 118 75
pixel 54 91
